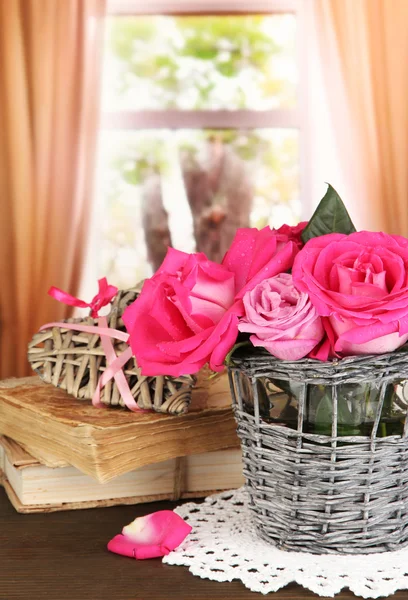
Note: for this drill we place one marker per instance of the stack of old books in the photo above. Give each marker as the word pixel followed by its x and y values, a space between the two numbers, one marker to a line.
pixel 60 453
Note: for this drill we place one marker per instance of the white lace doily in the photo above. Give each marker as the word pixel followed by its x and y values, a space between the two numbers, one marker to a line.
pixel 223 546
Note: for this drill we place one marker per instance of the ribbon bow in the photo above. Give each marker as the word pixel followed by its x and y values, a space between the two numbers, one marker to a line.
pixel 114 363
pixel 103 297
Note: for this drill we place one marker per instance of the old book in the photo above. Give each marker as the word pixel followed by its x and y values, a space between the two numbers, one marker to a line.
pixel 106 443
pixel 34 487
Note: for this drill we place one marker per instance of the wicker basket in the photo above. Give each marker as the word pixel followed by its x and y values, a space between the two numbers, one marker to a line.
pixel 74 361
pixel 320 493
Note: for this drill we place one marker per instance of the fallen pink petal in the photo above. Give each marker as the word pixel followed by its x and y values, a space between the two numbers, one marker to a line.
pixel 151 536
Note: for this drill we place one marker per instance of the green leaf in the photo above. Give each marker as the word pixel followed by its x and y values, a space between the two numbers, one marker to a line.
pixel 228 358
pixel 350 410
pixel 330 216
pixel 347 423
pixel 323 417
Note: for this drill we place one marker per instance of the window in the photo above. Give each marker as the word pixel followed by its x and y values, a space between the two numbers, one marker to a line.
pixel 200 129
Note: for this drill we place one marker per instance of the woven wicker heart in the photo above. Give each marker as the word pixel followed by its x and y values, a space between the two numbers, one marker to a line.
pixel 74 361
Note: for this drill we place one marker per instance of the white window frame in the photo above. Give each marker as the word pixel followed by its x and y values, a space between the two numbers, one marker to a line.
pixel 221 119
pixel 210 7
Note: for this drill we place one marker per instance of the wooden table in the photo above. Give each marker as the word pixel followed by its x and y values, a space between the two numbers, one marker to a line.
pixel 63 556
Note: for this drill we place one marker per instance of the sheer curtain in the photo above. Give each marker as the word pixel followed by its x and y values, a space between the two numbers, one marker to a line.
pixel 358 110
pixel 50 52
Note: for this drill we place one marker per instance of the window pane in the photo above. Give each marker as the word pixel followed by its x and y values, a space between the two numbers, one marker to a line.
pixel 190 189
pixel 200 62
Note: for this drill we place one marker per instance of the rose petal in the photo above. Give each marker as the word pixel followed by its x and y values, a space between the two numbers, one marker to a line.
pixel 280 262
pixel 293 232
pixel 256 255
pixel 173 262
pixel 151 536
pixel 213 284
pixel 286 349
pixel 379 345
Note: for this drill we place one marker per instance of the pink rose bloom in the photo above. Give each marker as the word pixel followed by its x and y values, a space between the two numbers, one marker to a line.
pixel 256 255
pixel 293 232
pixel 151 536
pixel 282 319
pixel 184 317
pixel 359 283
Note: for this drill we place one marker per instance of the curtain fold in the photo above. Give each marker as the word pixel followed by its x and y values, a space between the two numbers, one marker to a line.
pixel 362 48
pixel 50 55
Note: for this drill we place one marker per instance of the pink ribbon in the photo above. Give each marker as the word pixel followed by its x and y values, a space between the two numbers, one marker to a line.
pixel 104 296
pixel 114 363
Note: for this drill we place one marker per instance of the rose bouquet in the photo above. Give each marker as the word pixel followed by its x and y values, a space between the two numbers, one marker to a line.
pixel 312 323
pixel 319 291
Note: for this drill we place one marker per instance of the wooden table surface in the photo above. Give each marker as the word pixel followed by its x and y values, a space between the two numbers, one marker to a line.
pixel 63 556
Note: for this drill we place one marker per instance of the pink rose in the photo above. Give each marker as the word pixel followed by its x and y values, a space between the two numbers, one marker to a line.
pixel 359 283
pixel 293 232
pixel 151 536
pixel 184 317
pixel 256 255
pixel 283 320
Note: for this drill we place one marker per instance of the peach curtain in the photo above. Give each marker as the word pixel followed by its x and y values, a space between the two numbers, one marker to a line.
pixel 50 53
pixel 362 46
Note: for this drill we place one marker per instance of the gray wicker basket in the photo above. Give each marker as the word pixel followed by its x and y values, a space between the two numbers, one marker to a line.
pixel 319 493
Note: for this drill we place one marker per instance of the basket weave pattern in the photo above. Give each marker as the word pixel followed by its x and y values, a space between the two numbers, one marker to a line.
pixel 74 361
pixel 319 493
